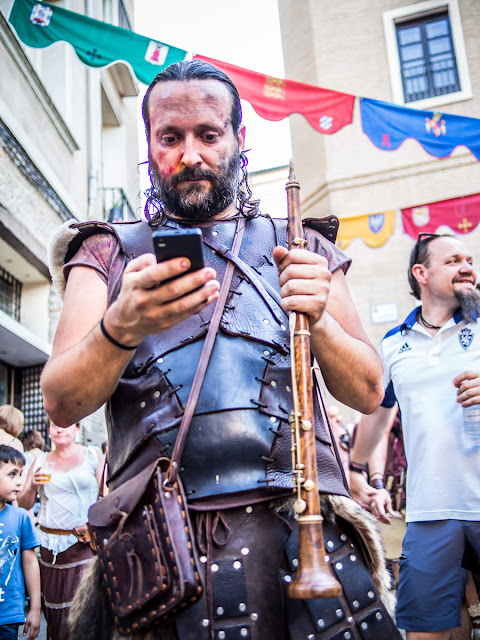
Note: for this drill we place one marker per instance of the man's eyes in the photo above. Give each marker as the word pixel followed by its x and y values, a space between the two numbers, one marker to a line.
pixel 169 139
pixel 210 136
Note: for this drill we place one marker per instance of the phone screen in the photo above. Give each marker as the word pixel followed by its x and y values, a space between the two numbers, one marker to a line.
pixel 179 243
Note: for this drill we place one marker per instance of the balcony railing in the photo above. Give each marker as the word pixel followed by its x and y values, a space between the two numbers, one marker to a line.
pixel 115 205
pixel 427 80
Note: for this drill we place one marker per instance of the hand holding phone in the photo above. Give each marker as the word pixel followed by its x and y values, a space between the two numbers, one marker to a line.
pixel 179 243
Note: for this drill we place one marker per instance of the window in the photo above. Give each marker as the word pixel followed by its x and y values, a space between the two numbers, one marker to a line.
pixel 10 294
pixel 426 54
pixel 29 399
pixel 427 59
pixel 123 20
pixel 5 383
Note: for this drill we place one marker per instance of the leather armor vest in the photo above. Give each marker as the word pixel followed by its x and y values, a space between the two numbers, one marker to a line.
pixel 238 444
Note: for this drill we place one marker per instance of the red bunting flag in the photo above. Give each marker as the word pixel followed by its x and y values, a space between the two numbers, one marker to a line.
pixel 274 99
pixel 462 215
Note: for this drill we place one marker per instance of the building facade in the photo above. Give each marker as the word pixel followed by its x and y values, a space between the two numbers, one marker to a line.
pixel 68 149
pixel 424 55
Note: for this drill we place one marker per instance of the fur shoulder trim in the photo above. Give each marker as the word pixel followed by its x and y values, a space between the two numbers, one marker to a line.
pixel 57 250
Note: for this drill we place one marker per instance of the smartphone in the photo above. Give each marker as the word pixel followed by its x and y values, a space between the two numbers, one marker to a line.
pixel 179 243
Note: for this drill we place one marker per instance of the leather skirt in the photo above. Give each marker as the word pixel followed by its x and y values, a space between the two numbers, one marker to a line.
pixel 249 556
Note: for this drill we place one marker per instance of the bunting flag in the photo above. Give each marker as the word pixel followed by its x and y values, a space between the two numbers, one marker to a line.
pixel 373 228
pixel 388 125
pixel 96 43
pixel 462 215
pixel 274 99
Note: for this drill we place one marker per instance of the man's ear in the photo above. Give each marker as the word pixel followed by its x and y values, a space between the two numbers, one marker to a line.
pixel 241 138
pixel 418 271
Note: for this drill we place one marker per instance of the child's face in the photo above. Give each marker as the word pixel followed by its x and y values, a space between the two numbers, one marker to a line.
pixel 10 481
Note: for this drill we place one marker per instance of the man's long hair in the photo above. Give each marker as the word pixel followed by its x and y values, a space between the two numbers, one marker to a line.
pixel 199 70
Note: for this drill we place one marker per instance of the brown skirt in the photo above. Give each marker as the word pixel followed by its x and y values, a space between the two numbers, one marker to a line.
pixel 59 582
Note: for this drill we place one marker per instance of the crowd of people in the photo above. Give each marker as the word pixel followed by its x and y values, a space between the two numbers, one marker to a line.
pixel 200 362
pixel 45 494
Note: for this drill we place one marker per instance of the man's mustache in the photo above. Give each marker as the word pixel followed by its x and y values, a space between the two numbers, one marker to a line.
pixel 192 174
pixel 461 278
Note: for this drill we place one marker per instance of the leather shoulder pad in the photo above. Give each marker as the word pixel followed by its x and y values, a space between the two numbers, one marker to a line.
pixel 135 237
pixel 327 227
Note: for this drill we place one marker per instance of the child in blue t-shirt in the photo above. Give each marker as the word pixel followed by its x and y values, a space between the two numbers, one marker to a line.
pixel 18 562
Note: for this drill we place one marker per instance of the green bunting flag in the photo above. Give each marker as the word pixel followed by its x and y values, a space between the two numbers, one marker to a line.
pixel 97 44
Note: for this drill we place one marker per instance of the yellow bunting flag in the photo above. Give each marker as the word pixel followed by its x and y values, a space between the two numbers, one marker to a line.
pixel 373 228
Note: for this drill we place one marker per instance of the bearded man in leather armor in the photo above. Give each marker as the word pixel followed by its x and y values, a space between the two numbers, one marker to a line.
pixel 131 334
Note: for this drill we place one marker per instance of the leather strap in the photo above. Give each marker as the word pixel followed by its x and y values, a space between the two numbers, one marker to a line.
pixel 264 288
pixel 172 472
pixel 58 532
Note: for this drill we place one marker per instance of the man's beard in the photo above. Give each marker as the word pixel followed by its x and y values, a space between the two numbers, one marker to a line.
pixel 469 304
pixel 193 203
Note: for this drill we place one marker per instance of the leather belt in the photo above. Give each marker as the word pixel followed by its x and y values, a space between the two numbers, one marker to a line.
pixel 81 533
pixel 58 532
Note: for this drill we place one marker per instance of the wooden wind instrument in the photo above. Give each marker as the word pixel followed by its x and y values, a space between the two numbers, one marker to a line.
pixel 313 578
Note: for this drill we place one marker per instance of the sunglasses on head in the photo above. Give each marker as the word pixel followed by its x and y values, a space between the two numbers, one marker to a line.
pixel 422 240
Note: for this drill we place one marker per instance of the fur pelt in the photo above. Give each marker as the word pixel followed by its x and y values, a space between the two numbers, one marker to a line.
pixel 90 617
pixel 57 250
pixel 365 527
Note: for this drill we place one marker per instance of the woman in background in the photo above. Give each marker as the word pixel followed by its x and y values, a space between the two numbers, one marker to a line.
pixel 66 493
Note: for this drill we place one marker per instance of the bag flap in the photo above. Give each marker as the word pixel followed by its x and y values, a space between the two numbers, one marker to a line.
pixel 109 510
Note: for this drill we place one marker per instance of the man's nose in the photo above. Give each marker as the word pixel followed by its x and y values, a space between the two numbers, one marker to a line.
pixel 191 156
pixel 466 266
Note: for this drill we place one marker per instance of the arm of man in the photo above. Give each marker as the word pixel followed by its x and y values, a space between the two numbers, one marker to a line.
pixel 369 433
pixel 380 500
pixel 85 367
pixel 350 365
pixel 31 573
pixel 360 490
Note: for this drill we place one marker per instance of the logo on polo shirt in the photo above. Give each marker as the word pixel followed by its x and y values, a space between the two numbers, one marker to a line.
pixel 465 336
pixel 404 348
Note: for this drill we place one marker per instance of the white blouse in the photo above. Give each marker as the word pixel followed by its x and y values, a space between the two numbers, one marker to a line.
pixel 65 500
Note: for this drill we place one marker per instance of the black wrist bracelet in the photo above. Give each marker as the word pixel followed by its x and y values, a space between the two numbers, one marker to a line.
pixel 356 467
pixel 113 341
pixel 377 483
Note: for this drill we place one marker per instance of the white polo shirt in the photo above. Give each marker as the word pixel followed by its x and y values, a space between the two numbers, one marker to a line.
pixel 443 477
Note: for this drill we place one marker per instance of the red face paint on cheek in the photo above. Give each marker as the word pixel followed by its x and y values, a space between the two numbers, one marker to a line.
pixel 165 168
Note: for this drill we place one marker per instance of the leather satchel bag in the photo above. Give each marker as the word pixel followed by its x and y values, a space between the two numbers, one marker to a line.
pixel 142 534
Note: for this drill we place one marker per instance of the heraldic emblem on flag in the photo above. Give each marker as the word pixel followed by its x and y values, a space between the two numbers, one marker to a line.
pixel 325 122
pixel 41 15
pixel 376 222
pixel 156 53
pixel 435 125
pixel 465 336
pixel 420 216
pixel 274 88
